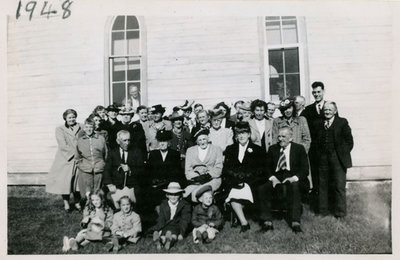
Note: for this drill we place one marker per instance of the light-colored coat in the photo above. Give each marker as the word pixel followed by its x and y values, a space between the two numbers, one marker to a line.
pixel 256 137
pixel 63 168
pixel 299 126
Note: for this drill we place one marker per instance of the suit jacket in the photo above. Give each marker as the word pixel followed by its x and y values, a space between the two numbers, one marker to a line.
pixel 256 137
pixel 181 219
pixel 252 168
pixel 343 139
pixel 111 132
pixel 298 162
pixel 311 114
pixel 113 175
pixel 137 135
pixel 165 171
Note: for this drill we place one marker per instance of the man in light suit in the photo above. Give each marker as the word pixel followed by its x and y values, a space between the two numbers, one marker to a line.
pixel 312 113
pixel 261 128
pixel 334 142
pixel 287 165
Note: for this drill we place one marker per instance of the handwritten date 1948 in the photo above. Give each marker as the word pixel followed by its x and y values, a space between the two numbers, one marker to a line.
pixel 46 9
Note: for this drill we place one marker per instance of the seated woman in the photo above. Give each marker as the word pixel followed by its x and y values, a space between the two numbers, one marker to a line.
pixel 243 172
pixel 164 167
pixel 203 165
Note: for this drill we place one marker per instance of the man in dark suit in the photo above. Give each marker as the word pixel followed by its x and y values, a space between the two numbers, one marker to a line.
pixel 124 167
pixel 287 165
pixel 164 166
pixel 334 142
pixel 312 113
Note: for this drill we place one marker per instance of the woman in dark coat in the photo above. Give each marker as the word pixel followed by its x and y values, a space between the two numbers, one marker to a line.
pixel 62 174
pixel 243 171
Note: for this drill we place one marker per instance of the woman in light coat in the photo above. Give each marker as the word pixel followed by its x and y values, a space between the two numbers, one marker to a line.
pixel 62 175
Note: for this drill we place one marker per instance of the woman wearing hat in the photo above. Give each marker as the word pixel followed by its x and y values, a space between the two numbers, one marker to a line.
pixel 219 136
pixel 203 164
pixel 243 172
pixel 164 167
pixel 62 174
pixel 245 112
pixel 109 125
pixel 157 124
pixel 299 126
pixel 203 119
pixel 181 138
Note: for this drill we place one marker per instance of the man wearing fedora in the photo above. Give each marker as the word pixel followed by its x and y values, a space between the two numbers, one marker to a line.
pixel 154 126
pixel 135 129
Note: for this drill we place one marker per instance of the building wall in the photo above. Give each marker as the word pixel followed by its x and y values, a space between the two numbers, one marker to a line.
pixel 58 65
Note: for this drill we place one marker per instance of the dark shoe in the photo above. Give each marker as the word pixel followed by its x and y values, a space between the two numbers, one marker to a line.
pixel 296 228
pixel 244 228
pixel 235 222
pixel 266 227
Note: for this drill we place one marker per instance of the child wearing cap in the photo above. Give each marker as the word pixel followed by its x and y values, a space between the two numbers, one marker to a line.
pixel 206 217
pixel 174 218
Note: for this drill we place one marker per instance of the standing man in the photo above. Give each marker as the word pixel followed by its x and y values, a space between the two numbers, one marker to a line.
pixel 299 103
pixel 334 142
pixel 269 113
pixel 287 165
pixel 314 113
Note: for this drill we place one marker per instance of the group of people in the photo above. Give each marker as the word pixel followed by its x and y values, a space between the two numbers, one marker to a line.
pixel 192 165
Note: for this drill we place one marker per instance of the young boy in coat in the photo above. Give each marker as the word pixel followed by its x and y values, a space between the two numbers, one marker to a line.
pixel 206 217
pixel 174 217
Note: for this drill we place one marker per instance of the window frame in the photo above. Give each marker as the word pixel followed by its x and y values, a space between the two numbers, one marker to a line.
pixel 142 57
pixel 301 45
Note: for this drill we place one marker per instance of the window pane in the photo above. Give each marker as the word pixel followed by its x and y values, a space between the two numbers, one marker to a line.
pixel 276 88
pixel 118 93
pixel 273 33
pixel 288 17
pixel 119 23
pixel 132 23
pixel 291 60
pixel 292 85
pixel 289 31
pixel 133 43
pixel 118 47
pixel 275 60
pixel 133 69
pixel 118 70
pixel 272 18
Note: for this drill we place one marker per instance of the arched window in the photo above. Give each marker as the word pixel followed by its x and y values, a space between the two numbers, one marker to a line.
pixel 126 62
pixel 284 56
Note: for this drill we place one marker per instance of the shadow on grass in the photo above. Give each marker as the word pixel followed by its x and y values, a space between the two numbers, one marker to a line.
pixel 37 224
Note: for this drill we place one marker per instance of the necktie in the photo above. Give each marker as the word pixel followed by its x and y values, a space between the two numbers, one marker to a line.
pixel 123 160
pixel 319 108
pixel 326 124
pixel 282 161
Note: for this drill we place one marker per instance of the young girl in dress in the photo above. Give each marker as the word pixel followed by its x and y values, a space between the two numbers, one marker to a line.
pixel 97 219
pixel 126 225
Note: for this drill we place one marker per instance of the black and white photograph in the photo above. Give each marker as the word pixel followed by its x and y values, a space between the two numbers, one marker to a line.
pixel 199 127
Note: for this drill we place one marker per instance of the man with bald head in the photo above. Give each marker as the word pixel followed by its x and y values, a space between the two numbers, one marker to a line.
pixel 287 165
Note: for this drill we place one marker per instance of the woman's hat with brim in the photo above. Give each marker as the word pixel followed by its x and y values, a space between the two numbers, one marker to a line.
pixel 216 114
pixel 157 109
pixel 203 190
pixel 175 116
pixel 163 135
pixel 173 188
pixel 188 105
pixel 246 106
pixel 112 108
pixel 203 131
pixel 126 111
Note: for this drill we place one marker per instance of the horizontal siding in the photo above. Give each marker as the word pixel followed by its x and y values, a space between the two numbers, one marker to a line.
pixel 52 65
pixel 353 56
pixel 208 59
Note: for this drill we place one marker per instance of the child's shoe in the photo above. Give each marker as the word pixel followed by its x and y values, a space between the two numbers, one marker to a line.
pixel 73 244
pixel 66 246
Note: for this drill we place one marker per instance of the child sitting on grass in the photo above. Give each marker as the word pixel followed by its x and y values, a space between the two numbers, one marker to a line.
pixel 97 218
pixel 126 225
pixel 206 217
pixel 173 219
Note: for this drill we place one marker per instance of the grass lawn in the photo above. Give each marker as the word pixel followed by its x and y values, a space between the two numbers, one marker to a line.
pixel 37 224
